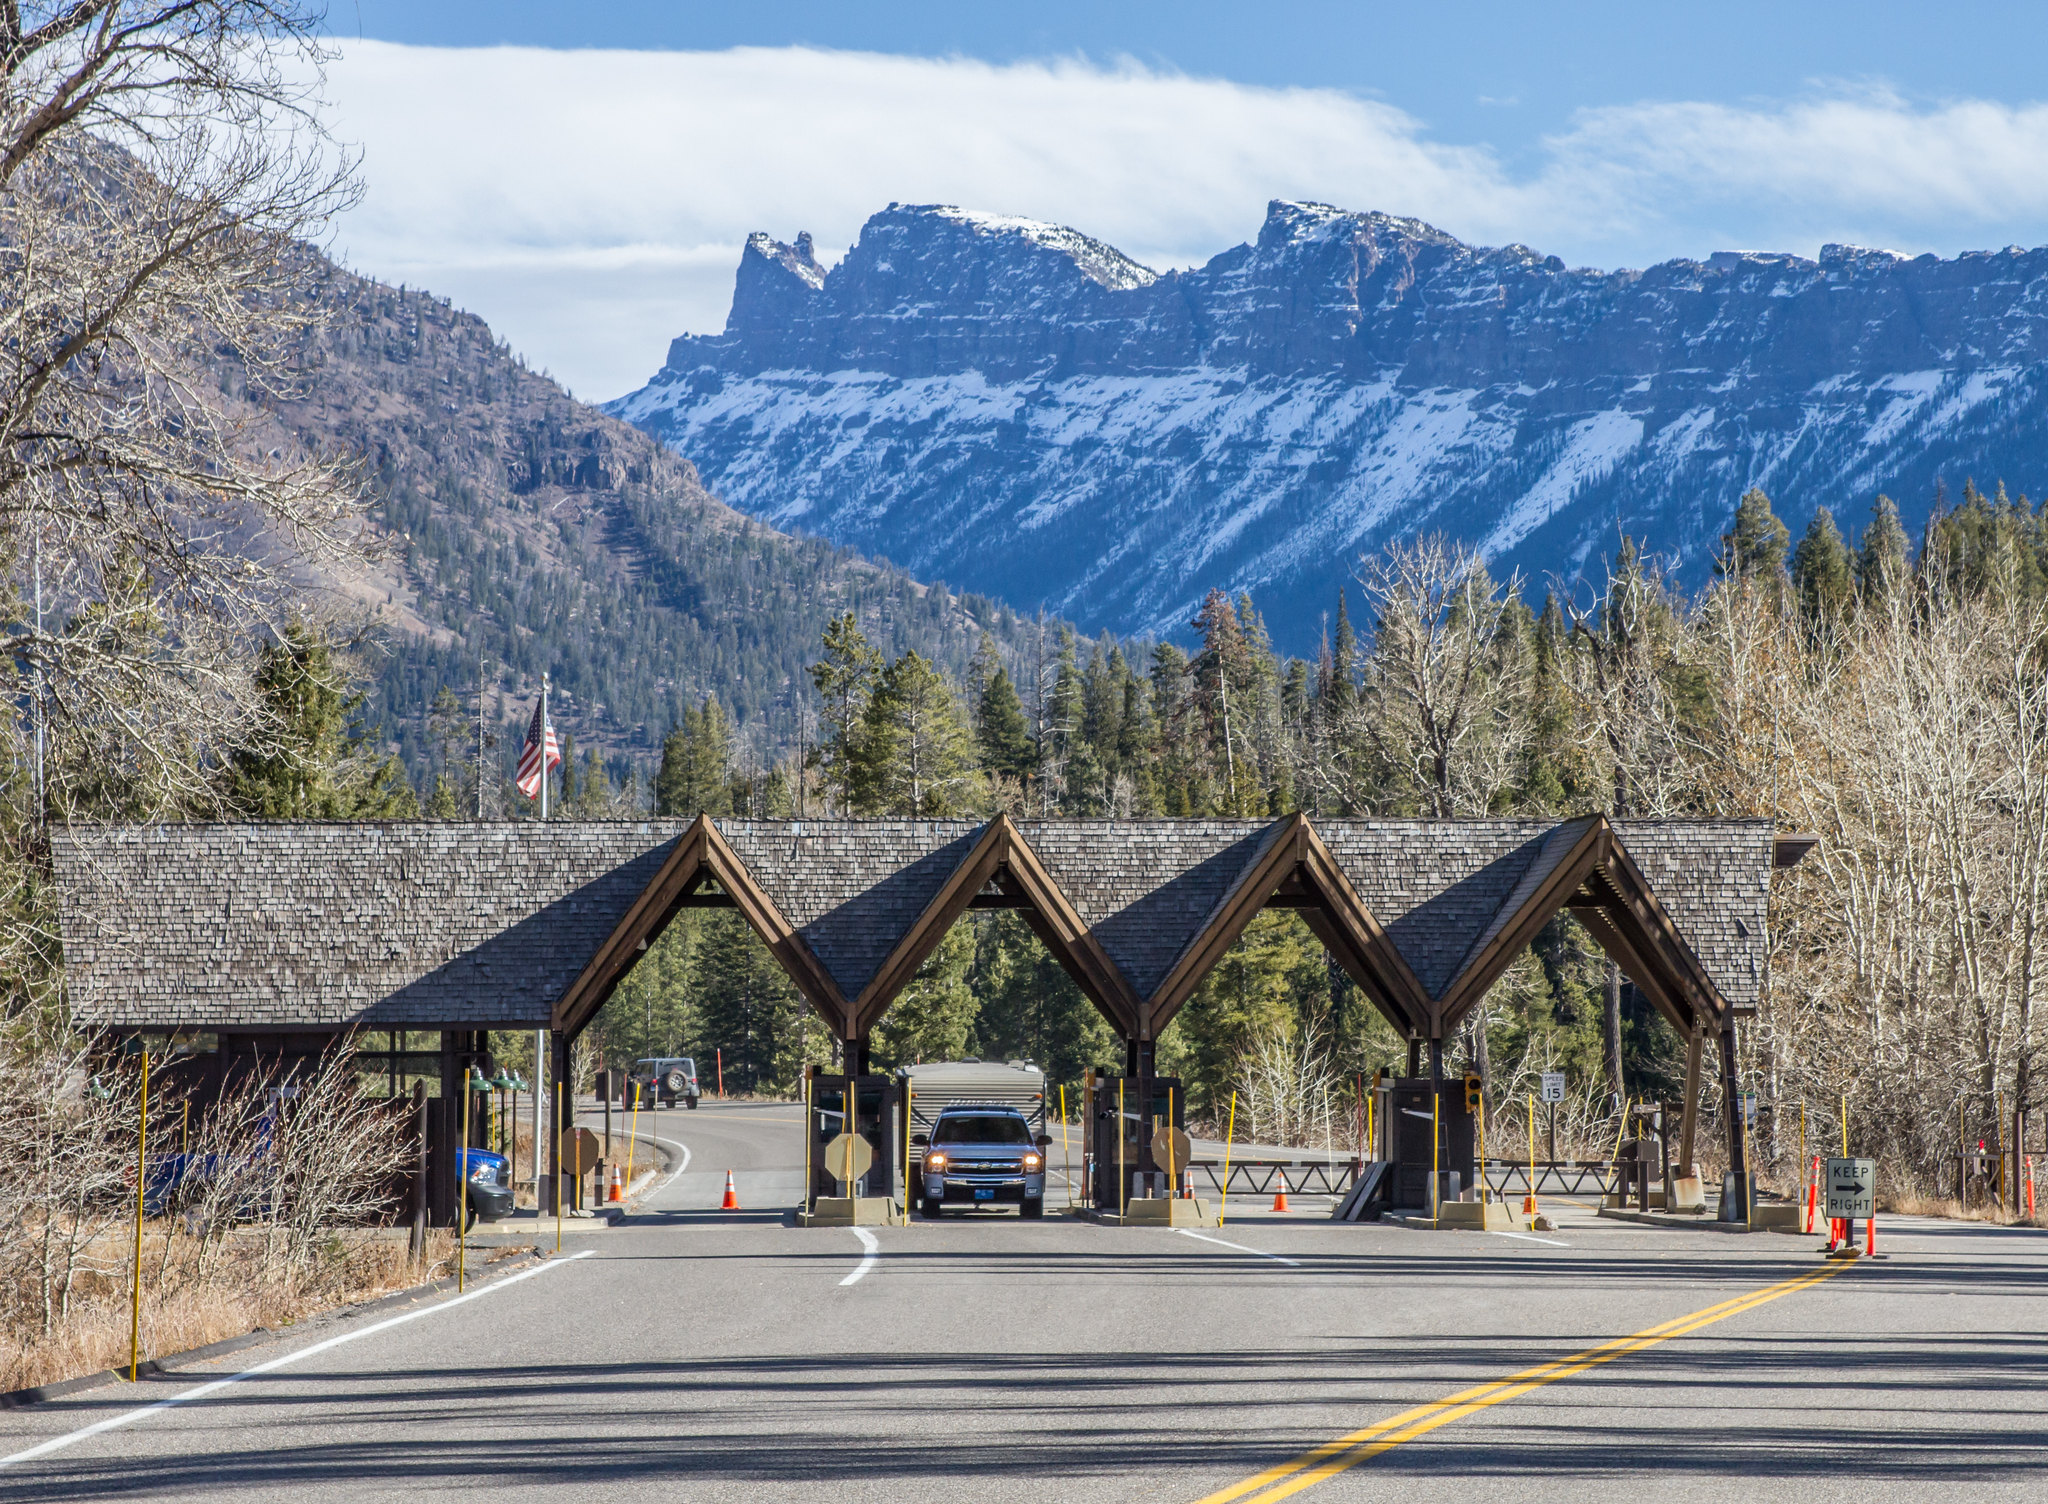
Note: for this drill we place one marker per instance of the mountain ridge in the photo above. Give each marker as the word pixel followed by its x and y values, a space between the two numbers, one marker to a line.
pixel 529 530
pixel 1000 402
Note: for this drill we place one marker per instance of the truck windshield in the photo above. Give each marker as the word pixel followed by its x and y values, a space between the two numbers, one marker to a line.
pixel 981 1130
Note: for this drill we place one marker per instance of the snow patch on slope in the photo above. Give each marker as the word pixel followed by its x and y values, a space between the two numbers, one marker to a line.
pixel 1593 447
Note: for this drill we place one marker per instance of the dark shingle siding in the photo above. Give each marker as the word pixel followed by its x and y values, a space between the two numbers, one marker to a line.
pixel 1713 878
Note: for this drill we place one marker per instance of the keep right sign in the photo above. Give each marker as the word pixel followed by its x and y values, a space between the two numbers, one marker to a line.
pixel 1852 1188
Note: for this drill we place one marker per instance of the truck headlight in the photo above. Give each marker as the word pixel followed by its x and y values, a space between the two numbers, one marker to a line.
pixel 484 1175
pixel 1032 1162
pixel 935 1161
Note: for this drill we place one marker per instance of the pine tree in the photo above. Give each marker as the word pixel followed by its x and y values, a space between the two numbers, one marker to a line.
pixel 1882 562
pixel 743 998
pixel 913 757
pixel 1822 570
pixel 322 762
pixel 696 765
pixel 1342 690
pixel 844 679
pixel 443 803
pixel 1002 736
pixel 1754 547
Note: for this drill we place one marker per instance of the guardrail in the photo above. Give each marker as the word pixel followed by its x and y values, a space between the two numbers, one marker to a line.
pixel 1558 1177
pixel 1257 1177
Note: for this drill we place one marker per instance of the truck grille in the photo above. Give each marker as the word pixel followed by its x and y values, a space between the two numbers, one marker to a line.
pixel 958 1168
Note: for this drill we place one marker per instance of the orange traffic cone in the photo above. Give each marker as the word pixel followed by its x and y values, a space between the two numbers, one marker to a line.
pixel 617 1190
pixel 732 1199
pixel 1280 1196
pixel 1870 1237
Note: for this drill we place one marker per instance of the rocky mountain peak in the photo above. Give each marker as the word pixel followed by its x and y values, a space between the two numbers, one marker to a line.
pixel 1022 408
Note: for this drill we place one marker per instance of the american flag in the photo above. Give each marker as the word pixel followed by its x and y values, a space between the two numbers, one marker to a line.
pixel 531 771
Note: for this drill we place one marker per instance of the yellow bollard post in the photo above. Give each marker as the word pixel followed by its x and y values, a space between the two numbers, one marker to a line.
pixel 556 1160
pixel 1066 1154
pixel 462 1193
pixel 135 1290
pixel 1530 1207
pixel 1845 1125
pixel 1172 1185
pixel 1229 1137
pixel 1372 1099
pixel 846 1127
pixel 631 1142
pixel 909 1103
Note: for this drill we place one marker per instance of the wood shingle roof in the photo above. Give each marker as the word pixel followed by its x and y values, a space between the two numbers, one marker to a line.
pixel 456 925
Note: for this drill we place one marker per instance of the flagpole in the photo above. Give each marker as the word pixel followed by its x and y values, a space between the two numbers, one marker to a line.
pixel 540 1072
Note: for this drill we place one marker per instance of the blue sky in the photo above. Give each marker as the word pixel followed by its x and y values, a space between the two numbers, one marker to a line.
pixel 583 175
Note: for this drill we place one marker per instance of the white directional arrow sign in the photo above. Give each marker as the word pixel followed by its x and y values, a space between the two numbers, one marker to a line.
pixel 1852 1188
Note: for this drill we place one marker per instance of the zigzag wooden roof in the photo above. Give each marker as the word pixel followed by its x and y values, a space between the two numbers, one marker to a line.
pixel 428 924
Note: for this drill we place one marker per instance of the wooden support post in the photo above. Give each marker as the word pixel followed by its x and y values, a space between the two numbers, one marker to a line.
pixel 563 1113
pixel 1689 1116
pixel 1436 1119
pixel 417 1245
pixel 1731 1097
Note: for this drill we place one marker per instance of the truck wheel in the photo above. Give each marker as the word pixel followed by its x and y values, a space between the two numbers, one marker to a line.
pixel 1034 1206
pixel 931 1209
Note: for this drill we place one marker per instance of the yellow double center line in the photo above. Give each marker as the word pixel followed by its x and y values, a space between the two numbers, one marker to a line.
pixel 1333 1457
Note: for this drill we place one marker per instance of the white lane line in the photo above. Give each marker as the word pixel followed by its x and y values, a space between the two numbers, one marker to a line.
pixel 1527 1237
pixel 652 1138
pixel 672 1174
pixel 867 1259
pixel 1256 1252
pixel 127 1417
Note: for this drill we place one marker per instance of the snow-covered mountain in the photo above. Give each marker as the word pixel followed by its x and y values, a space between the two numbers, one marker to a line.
pixel 1021 410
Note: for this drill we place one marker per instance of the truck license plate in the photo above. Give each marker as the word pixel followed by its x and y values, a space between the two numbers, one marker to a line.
pixel 985 1193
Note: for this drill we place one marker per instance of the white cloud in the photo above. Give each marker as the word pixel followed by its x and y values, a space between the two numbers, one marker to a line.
pixel 592 204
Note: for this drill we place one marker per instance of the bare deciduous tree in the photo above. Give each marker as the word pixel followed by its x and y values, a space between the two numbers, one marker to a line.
pixel 160 166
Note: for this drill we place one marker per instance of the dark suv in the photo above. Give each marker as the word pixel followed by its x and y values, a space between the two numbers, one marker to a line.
pixel 979 1155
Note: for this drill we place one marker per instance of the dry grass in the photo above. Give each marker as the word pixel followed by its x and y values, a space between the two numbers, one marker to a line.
pixel 180 1312
pixel 1915 1204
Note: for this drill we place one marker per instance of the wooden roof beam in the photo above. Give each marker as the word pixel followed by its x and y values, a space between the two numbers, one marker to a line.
pixel 699 853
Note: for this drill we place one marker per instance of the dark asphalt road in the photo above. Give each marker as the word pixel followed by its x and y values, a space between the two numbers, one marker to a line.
pixel 695 1354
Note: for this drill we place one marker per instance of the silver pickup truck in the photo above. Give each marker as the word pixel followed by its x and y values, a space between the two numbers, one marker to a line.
pixel 981 1154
